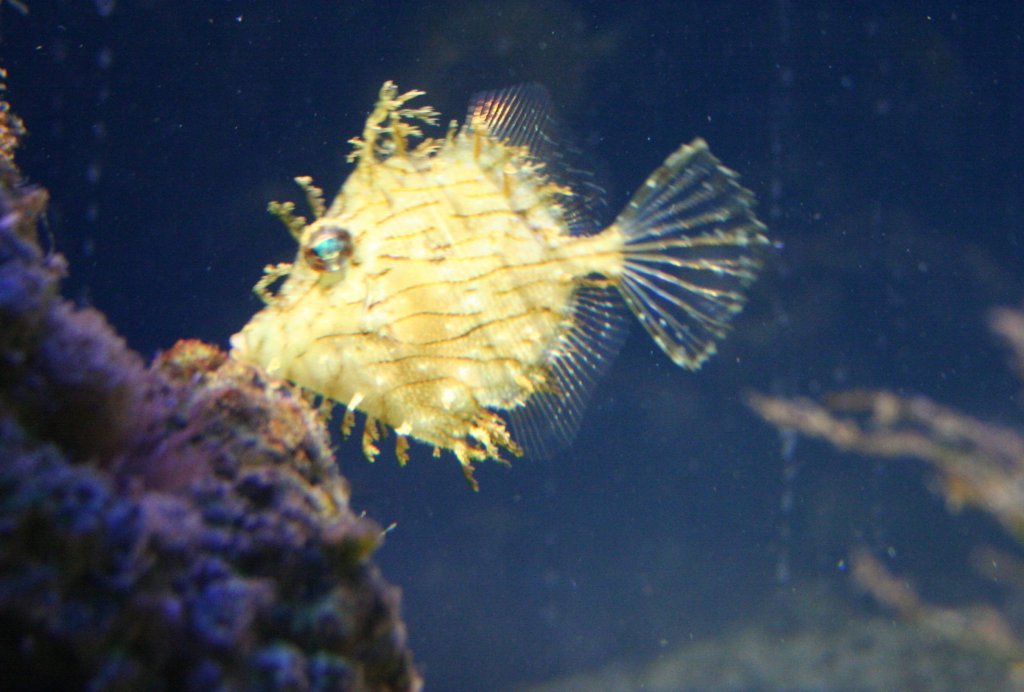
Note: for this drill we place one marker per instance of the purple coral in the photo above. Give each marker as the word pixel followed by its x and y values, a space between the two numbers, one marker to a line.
pixel 181 526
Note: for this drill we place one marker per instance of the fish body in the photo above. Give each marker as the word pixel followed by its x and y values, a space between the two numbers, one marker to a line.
pixel 455 281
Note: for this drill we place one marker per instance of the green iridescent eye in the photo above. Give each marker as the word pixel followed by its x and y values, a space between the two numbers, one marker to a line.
pixel 328 249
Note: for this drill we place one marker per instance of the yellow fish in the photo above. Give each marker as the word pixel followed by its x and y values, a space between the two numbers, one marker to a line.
pixel 463 279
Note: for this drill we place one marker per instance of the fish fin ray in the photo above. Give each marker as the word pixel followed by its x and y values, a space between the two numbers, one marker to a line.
pixel 524 116
pixel 693 244
pixel 549 419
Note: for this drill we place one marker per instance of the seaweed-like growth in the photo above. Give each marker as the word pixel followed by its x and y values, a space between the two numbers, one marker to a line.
pixel 181 526
pixel 978 465
pixel 392 125
pixel 12 129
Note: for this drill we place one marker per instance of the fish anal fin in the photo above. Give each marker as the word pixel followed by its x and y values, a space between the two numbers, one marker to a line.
pixel 549 418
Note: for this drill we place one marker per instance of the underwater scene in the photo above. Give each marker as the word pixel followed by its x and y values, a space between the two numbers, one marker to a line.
pixel 511 345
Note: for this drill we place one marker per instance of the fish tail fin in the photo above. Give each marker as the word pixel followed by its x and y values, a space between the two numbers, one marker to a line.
pixel 692 245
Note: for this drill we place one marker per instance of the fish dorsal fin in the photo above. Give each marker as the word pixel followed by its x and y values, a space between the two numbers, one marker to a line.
pixel 524 116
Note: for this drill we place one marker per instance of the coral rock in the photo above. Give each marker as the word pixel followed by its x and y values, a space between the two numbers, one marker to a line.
pixel 178 526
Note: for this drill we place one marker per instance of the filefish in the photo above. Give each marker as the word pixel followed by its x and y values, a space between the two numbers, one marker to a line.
pixel 460 291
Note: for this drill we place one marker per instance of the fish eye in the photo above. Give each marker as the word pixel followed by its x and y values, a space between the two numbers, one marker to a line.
pixel 328 249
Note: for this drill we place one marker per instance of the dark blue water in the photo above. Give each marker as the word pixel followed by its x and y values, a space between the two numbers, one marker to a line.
pixel 884 142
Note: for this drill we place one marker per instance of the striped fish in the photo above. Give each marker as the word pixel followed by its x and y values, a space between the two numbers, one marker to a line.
pixel 459 292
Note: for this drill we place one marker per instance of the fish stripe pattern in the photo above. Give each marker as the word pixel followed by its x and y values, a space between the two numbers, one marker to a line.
pixel 462 292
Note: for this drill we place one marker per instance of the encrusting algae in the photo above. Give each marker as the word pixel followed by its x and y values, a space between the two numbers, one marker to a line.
pixel 455 280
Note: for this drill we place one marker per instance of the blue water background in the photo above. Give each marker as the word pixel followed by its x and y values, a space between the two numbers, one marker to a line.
pixel 884 141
